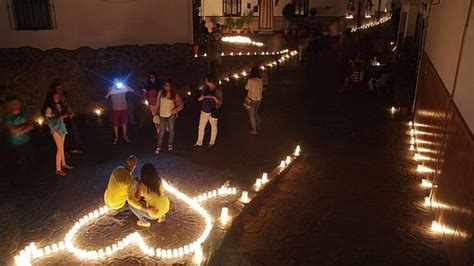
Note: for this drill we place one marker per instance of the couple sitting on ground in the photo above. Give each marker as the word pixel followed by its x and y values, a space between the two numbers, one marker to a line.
pixel 144 194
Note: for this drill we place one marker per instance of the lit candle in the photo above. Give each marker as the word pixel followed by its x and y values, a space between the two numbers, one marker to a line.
pixel 189 92
pixel 244 73
pixel 224 214
pixel 258 183
pixel 282 164
pixel 245 197
pixel 264 178
pixel 412 141
pixel 98 111
pixel 392 110
pixel 40 120
pixel 205 54
pixel 198 256
pixel 426 183
pixel 297 150
pixel 410 123
pixel 288 160
pixel 145 102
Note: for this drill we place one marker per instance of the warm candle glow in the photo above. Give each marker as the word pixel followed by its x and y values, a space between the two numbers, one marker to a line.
pixel 282 164
pixel 245 197
pixel 145 102
pixel 224 215
pixel 264 178
pixel 40 120
pixel 98 111
pixel 426 183
pixel 424 169
pixel 412 147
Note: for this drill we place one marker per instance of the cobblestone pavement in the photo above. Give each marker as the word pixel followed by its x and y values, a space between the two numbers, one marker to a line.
pixel 353 199
pixel 43 207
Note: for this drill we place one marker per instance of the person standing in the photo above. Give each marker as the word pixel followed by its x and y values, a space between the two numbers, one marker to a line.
pixel 54 114
pixel 117 94
pixel 255 92
pixel 151 90
pixel 211 103
pixel 215 48
pixel 19 123
pixel 169 104
pixel 74 140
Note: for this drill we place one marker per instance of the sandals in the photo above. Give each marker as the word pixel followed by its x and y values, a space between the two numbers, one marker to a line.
pixel 68 167
pixel 60 173
pixel 143 223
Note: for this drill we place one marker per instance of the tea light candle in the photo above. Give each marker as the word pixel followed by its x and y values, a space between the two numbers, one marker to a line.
pixel 245 197
pixel 264 178
pixel 224 214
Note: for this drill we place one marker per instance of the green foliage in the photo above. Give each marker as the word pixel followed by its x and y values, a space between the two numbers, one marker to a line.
pixel 229 23
pixel 239 23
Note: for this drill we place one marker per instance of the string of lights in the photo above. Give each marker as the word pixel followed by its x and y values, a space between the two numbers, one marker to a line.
pixel 263 53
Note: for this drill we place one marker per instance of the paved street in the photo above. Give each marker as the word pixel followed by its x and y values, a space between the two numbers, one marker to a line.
pixel 352 199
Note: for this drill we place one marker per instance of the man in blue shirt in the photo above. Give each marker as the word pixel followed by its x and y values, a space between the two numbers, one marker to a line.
pixel 19 123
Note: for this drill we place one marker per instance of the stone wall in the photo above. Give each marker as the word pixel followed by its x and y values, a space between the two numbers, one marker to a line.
pixel 28 72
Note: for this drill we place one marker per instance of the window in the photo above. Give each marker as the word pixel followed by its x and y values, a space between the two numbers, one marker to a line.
pixel 31 14
pixel 232 7
pixel 301 7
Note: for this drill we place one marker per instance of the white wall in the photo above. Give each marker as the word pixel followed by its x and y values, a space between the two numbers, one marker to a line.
pixel 443 37
pixel 211 8
pixel 98 23
pixel 464 91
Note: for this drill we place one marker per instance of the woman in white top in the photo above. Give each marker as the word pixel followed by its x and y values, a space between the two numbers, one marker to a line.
pixel 169 103
pixel 255 93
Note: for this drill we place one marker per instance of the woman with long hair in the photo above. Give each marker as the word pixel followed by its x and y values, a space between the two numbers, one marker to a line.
pixel 255 93
pixel 151 90
pixel 169 104
pixel 54 113
pixel 150 187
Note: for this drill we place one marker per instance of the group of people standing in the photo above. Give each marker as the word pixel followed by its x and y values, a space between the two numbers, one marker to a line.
pixel 164 103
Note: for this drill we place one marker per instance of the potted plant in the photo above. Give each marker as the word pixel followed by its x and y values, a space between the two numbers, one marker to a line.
pixel 239 24
pixel 213 20
pixel 229 24
pixel 289 15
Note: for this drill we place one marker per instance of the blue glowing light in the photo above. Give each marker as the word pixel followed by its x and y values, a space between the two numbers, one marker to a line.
pixel 119 85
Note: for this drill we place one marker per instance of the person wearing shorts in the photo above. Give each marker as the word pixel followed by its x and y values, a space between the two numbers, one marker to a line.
pixel 151 90
pixel 119 109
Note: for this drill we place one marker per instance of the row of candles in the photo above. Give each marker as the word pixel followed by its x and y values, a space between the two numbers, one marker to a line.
pixel 31 252
pixel 248 53
pixel 418 157
pixel 371 24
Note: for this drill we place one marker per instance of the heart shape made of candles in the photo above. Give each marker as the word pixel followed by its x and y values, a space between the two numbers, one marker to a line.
pixel 31 252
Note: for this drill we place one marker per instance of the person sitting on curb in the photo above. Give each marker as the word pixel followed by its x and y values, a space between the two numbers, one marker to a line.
pixel 150 188
pixel 121 189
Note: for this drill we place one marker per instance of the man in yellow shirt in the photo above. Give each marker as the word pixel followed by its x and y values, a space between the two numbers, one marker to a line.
pixel 121 188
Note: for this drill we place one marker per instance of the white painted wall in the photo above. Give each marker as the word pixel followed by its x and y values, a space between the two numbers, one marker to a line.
pixel 98 23
pixel 443 37
pixel 325 7
pixel 464 91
